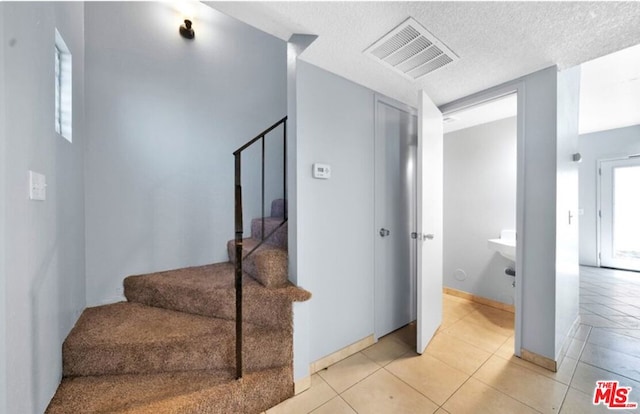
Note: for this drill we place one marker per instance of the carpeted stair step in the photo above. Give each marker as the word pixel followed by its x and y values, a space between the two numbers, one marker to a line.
pixel 193 392
pixel 279 238
pixel 278 207
pixel 209 291
pixel 130 338
pixel 268 264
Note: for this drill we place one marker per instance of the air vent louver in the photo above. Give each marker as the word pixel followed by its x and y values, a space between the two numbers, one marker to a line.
pixel 411 50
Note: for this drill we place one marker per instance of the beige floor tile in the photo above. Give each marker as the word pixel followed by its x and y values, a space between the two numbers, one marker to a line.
pixel 349 371
pixel 442 411
pixel 629 322
pixel 457 353
pixel 386 350
pixel 384 393
pixel 494 319
pixel 457 309
pixel 507 349
pixel 406 334
pixel 478 398
pixel 563 375
pixel 527 386
pixel 599 309
pixel 319 393
pixel 615 340
pixel 630 310
pixel 577 402
pixel 582 332
pixel 432 377
pixel 477 335
pixel 611 360
pixel 586 375
pixel 448 321
pixel 575 348
pixel 335 406
pixel 598 321
pixel 633 333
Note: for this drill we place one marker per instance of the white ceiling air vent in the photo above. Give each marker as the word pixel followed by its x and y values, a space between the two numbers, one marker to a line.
pixel 411 50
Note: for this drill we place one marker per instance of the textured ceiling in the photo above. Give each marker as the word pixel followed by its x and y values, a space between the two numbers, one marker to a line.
pixel 496 41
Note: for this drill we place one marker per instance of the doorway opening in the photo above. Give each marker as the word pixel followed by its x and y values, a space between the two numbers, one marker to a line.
pixel 487 300
pixel 480 193
pixel 609 124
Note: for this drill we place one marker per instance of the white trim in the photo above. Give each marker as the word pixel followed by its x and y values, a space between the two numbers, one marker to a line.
pixel 598 212
pixel 518 87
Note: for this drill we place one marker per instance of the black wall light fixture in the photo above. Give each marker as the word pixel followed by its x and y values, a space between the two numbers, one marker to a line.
pixel 186 30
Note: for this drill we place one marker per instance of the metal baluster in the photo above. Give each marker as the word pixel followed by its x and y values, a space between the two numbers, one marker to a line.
pixel 262 234
pixel 238 275
pixel 284 182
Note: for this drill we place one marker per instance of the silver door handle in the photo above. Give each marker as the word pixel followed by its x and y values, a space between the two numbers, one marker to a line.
pixel 428 237
pixel 384 232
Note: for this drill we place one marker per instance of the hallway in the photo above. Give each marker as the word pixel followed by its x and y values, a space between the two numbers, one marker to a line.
pixel 469 366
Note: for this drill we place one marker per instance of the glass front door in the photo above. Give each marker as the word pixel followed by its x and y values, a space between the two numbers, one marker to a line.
pixel 620 213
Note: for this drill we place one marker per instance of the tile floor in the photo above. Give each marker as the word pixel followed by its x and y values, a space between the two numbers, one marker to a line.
pixel 469 365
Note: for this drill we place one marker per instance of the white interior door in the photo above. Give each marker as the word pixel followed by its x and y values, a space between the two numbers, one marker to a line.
pixel 429 217
pixel 395 210
pixel 620 213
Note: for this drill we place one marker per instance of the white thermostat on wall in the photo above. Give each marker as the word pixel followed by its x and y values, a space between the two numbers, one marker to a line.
pixel 322 171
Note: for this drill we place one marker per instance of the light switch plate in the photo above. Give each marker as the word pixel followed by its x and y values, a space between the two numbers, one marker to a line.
pixel 37 186
pixel 322 171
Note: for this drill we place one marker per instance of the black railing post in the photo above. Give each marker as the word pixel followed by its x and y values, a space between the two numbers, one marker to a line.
pixel 262 234
pixel 238 275
pixel 284 182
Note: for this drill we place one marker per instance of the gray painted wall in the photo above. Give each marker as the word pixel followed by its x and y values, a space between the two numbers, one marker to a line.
pixel 593 147
pixel 3 306
pixel 164 116
pixel 539 238
pixel 335 216
pixel 44 263
pixel 479 201
pixel 567 227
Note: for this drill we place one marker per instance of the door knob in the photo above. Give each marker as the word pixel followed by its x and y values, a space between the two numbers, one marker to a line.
pixel 384 232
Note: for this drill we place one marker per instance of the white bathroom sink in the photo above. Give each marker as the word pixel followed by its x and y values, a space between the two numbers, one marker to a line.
pixel 505 245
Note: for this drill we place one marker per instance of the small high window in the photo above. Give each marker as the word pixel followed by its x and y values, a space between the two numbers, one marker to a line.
pixel 62 70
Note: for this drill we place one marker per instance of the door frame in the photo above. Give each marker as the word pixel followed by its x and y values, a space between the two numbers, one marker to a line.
pixel 517 87
pixel 599 202
pixel 385 100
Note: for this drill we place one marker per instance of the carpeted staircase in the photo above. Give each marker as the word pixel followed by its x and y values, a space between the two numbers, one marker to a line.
pixel 171 347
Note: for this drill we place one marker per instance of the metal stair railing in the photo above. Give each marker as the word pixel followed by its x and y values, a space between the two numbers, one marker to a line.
pixel 239 223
